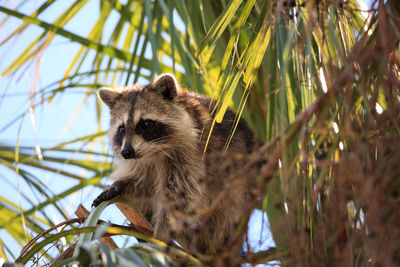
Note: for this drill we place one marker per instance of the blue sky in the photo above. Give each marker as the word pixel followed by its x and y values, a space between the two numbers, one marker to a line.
pixel 50 118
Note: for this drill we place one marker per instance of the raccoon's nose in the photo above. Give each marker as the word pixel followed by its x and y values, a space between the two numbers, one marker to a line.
pixel 128 152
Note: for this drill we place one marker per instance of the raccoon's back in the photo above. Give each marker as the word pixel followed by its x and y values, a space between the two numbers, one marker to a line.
pixel 223 165
pixel 200 109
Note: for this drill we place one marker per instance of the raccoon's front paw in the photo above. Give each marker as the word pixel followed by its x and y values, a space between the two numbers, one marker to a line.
pixel 113 191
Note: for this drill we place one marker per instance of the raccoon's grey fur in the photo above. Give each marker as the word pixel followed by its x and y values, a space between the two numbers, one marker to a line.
pixel 158 133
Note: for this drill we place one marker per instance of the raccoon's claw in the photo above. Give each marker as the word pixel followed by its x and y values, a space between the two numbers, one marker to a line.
pixel 113 191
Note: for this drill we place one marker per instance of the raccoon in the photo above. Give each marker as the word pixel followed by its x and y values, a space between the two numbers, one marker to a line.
pixel 159 133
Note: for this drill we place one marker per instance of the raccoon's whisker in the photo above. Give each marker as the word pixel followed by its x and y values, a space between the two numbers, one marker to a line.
pixel 161 139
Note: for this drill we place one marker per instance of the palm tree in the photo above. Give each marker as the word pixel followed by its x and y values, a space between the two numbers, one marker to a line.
pixel 318 82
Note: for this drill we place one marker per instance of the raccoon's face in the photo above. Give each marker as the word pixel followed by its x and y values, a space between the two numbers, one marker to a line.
pixel 146 120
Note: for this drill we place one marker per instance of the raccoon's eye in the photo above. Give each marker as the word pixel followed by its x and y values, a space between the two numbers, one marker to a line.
pixel 121 129
pixel 147 124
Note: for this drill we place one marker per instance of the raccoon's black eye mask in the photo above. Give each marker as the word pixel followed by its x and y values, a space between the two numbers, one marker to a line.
pixel 151 130
pixel 122 130
pixel 120 135
pixel 147 124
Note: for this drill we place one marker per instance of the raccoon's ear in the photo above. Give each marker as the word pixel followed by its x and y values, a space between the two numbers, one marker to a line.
pixel 166 85
pixel 108 96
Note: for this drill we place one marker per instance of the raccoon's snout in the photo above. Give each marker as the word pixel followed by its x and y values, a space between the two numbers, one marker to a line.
pixel 128 152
